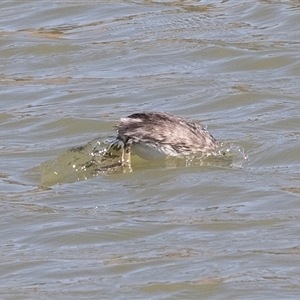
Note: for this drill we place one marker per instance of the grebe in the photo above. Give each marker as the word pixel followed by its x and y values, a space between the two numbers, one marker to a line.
pixel 157 134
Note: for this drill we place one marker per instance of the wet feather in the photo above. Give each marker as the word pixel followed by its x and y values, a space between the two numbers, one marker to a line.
pixel 155 134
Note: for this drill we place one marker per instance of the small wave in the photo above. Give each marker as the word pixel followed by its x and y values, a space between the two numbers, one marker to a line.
pixel 77 163
pixel 235 152
pixel 94 159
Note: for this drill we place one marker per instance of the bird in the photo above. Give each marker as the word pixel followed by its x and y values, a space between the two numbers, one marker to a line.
pixel 153 135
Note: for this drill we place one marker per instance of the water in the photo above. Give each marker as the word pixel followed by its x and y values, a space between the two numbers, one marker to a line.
pixel 70 70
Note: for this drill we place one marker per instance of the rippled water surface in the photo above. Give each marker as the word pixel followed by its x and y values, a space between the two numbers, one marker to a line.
pixel 70 70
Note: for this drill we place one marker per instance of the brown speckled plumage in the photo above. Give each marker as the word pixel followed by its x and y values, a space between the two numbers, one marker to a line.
pixel 156 134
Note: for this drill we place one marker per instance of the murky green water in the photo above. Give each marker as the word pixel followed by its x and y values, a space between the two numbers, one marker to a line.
pixel 69 70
